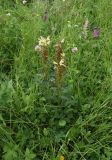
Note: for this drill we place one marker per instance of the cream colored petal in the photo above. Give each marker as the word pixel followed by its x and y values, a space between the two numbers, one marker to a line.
pixel 55 63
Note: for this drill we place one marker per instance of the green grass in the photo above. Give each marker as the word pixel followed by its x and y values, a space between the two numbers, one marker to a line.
pixel 38 119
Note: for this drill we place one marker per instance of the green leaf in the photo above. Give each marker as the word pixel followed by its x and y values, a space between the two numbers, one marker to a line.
pixel 45 131
pixel 62 123
pixel 29 155
pixel 10 151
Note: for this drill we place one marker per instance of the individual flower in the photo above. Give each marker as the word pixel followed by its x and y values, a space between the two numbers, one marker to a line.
pixel 38 48
pixel 8 14
pixel 24 1
pixel 55 63
pixel 62 63
pixel 63 55
pixel 44 41
pixel 86 24
pixel 62 41
pixel 61 158
pixel 75 49
pixel 96 33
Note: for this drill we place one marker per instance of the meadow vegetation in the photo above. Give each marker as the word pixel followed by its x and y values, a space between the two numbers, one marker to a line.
pixel 56 80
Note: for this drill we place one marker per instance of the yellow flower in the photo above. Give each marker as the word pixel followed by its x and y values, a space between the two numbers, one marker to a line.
pixel 62 63
pixel 44 41
pixel 62 158
pixel 55 63
pixel 63 55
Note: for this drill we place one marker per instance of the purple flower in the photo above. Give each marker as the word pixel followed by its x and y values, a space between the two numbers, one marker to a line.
pixel 96 33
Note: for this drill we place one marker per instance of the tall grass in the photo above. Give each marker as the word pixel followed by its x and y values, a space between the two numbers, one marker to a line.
pixel 40 120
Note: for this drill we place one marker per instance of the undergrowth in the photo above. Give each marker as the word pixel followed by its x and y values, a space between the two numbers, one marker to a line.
pixel 56 91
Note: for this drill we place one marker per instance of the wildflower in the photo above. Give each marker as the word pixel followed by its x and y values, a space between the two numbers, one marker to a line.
pixel 86 24
pixel 24 1
pixel 85 28
pixel 96 33
pixel 42 47
pixel 62 41
pixel 8 14
pixel 75 49
pixel 55 63
pixel 61 157
pixel 63 55
pixel 38 48
pixel 44 41
pixel 61 63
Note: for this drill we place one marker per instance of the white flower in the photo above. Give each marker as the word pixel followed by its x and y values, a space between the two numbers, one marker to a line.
pixel 62 63
pixel 8 14
pixel 24 1
pixel 85 28
pixel 75 49
pixel 63 55
pixel 62 41
pixel 86 24
pixel 37 48
pixel 44 41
